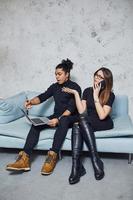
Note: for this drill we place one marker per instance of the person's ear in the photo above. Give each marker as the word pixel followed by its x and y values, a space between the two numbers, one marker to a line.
pixel 67 75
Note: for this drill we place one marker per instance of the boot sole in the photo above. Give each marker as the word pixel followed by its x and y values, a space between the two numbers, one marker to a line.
pixel 46 173
pixel 83 173
pixel 18 169
pixel 100 177
pixel 77 180
pixel 102 174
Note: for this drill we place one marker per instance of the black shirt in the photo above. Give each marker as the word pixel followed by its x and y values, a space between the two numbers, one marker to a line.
pixel 93 117
pixel 63 101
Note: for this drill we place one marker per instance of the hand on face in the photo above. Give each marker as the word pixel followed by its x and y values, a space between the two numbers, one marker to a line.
pixel 96 90
pixel 98 77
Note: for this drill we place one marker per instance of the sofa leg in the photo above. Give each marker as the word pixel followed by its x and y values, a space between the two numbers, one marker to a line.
pixel 130 158
pixel 60 156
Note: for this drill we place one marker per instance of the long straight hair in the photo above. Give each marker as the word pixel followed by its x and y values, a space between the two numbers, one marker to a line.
pixel 108 77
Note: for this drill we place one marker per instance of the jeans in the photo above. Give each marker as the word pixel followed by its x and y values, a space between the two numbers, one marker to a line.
pixel 60 134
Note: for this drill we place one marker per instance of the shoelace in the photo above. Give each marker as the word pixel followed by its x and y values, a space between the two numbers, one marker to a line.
pixel 49 159
pixel 18 157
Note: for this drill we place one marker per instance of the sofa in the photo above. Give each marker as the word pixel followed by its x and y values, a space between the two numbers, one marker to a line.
pixel 14 126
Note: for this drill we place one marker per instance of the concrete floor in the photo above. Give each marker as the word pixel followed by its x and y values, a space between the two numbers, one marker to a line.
pixel 117 184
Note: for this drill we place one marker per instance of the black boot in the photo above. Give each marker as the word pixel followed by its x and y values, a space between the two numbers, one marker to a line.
pixel 89 138
pixel 78 169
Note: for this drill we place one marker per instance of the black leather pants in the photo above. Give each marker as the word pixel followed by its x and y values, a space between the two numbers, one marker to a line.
pixel 89 138
pixel 77 143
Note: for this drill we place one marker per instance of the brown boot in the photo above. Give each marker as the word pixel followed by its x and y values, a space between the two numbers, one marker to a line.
pixel 22 163
pixel 50 163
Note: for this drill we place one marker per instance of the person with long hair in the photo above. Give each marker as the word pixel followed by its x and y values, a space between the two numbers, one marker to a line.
pixel 65 114
pixel 94 110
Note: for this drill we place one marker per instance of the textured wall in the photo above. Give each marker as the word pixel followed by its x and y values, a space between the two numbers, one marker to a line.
pixel 35 35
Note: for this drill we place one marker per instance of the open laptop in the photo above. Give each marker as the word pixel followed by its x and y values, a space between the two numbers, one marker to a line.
pixel 36 121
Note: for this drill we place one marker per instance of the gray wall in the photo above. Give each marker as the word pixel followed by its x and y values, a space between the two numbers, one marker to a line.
pixel 35 35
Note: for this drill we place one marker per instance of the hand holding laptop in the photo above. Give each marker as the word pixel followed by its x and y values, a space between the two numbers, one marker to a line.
pixel 53 122
pixel 38 120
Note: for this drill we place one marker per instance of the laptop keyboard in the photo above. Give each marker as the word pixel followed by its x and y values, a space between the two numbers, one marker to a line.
pixel 37 121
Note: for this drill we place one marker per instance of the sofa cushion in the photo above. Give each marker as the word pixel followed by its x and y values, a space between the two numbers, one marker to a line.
pixel 17 129
pixel 122 127
pixel 44 109
pixel 120 106
pixel 9 108
pixel 20 128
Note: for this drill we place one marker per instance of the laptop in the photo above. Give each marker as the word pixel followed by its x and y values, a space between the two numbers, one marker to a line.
pixel 36 121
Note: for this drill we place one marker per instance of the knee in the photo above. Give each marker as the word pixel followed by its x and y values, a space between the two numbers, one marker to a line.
pixel 34 129
pixel 75 126
pixel 64 120
pixel 83 118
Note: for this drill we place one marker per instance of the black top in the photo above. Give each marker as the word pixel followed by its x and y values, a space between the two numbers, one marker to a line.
pixel 63 101
pixel 93 117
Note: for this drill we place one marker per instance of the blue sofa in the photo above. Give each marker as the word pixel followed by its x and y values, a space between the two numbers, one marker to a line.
pixel 118 140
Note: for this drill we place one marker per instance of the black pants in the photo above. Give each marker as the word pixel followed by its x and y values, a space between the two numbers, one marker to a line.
pixel 60 134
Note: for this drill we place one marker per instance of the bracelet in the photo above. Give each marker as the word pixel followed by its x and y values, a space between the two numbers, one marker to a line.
pixel 60 117
pixel 97 101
